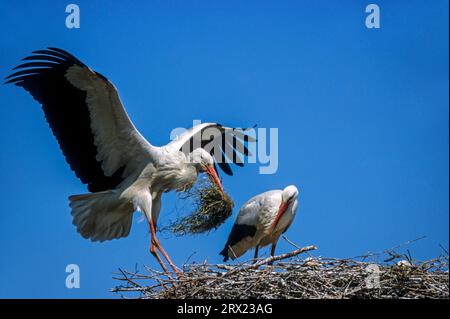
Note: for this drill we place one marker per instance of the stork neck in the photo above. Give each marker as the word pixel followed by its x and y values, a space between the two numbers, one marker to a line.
pixel 281 210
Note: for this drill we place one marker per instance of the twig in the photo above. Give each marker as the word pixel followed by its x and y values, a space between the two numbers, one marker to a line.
pixel 280 257
pixel 294 278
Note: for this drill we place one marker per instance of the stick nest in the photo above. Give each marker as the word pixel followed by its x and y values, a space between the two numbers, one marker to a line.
pixel 292 277
pixel 211 209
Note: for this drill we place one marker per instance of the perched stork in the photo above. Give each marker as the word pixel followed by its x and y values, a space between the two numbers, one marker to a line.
pixel 122 170
pixel 261 221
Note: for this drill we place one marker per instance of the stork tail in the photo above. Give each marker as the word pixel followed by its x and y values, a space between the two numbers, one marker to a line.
pixel 101 216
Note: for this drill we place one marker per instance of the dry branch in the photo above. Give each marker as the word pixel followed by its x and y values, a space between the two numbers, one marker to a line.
pixel 292 277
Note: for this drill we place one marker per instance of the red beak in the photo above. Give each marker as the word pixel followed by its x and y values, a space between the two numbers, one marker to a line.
pixel 281 210
pixel 214 177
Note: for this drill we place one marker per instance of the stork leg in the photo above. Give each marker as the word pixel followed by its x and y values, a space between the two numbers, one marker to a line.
pixel 153 249
pixel 156 244
pixel 255 258
pixel 272 251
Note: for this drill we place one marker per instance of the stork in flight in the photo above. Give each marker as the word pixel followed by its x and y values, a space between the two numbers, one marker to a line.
pixel 261 221
pixel 122 170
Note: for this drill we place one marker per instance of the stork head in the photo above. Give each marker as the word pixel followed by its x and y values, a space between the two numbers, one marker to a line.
pixel 289 194
pixel 204 163
pixel 288 199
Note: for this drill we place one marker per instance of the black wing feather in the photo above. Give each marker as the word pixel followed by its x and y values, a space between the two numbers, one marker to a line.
pixel 66 112
pixel 225 161
pixel 238 232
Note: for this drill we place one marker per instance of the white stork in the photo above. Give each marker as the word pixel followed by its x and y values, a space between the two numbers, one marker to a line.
pixel 261 221
pixel 122 170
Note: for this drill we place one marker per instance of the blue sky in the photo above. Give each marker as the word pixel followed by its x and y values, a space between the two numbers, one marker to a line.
pixel 362 116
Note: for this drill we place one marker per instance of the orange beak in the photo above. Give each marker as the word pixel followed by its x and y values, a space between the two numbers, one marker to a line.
pixel 214 177
pixel 281 210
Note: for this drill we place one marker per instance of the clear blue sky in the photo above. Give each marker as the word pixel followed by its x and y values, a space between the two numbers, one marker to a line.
pixel 362 117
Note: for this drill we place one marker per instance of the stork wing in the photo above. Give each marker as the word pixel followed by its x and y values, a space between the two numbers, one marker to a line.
pixel 245 233
pixel 225 144
pixel 253 211
pixel 85 113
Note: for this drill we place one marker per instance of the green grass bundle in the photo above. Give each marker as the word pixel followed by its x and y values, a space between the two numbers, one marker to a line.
pixel 211 209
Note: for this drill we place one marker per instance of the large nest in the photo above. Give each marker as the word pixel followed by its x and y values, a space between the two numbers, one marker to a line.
pixel 210 210
pixel 292 277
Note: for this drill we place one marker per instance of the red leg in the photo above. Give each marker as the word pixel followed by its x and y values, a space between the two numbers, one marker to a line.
pixel 153 247
pixel 272 251
pixel 256 254
pixel 175 269
pixel 155 254
pixel 157 244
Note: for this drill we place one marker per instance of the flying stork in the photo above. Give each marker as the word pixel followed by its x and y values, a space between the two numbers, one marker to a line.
pixel 123 171
pixel 261 221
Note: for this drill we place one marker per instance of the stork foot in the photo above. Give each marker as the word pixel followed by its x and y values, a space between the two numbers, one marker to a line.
pixel 175 270
pixel 153 249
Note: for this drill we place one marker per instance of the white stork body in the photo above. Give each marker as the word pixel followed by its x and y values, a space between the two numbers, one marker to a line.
pixel 261 221
pixel 107 214
pixel 123 171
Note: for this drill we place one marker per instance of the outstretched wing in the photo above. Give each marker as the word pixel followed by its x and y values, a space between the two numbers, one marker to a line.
pixel 85 113
pixel 227 145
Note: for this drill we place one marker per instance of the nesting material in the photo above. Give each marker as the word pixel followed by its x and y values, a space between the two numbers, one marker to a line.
pixel 292 277
pixel 211 209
